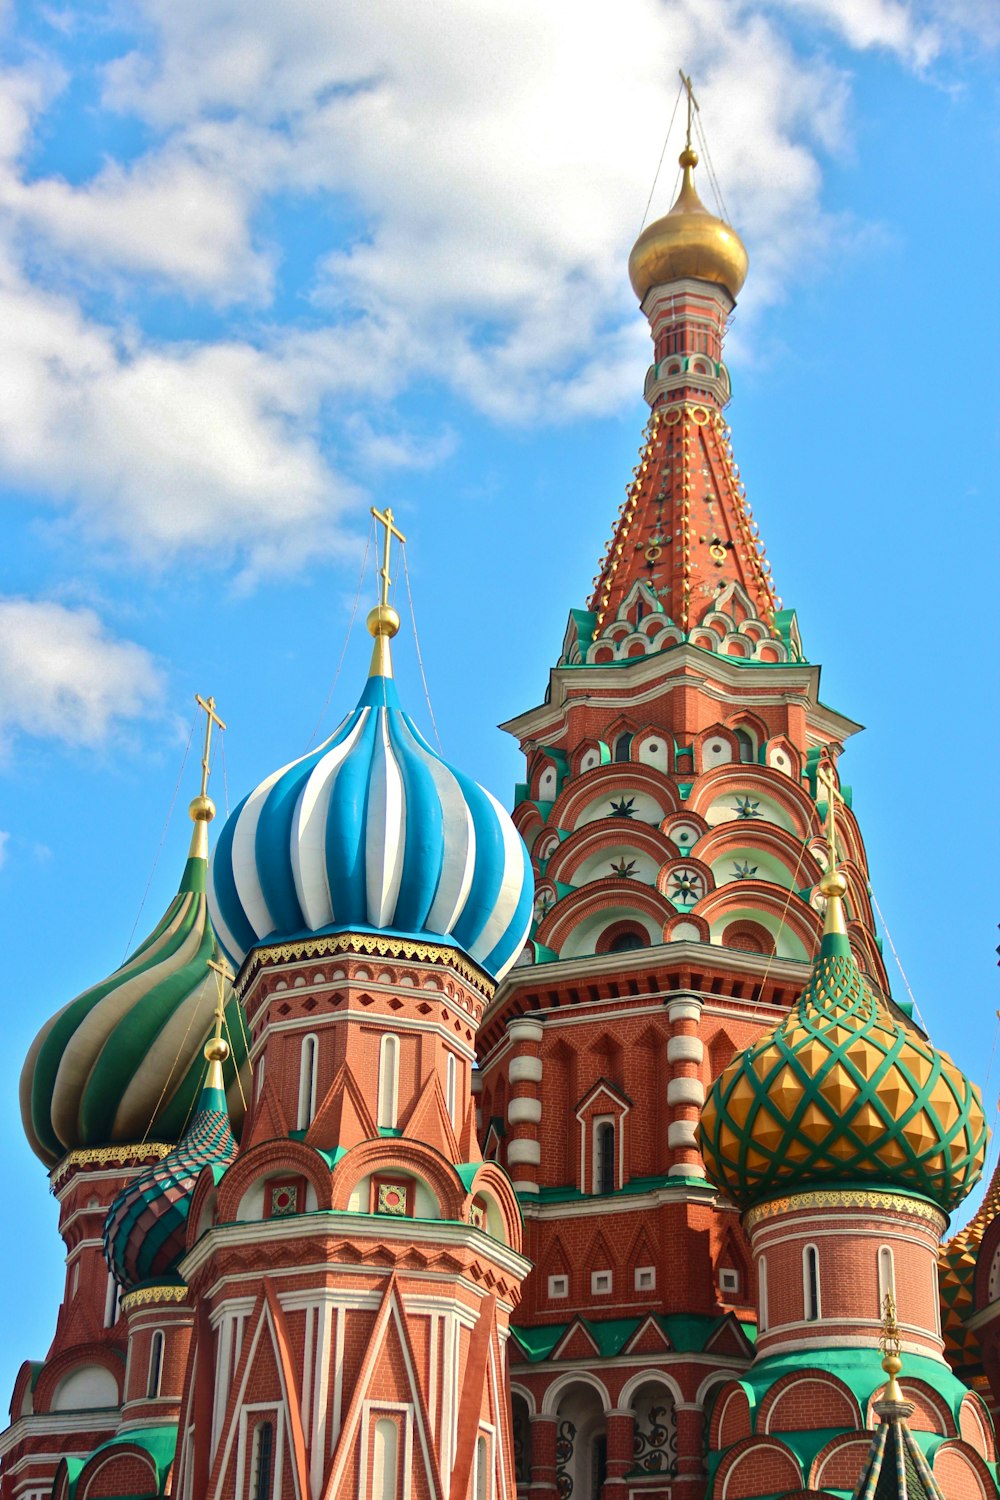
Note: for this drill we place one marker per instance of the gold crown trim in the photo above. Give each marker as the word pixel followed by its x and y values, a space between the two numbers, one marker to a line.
pixel 846 1198
pixel 144 1296
pixel 365 945
pixel 100 1155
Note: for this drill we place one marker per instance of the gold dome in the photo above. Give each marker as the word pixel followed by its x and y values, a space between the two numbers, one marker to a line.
pixel 688 241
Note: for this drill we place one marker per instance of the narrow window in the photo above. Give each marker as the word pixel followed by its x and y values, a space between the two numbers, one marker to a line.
pixel 385 1465
pixel 263 1458
pixel 111 1303
pixel 481 1488
pixel 886 1276
pixel 623 747
pixel 307 1081
pixel 449 1090
pixel 260 1075
pixel 75 1280
pixel 605 1164
pixel 810 1278
pixel 155 1366
pixel 388 1081
pixel 747 749
pixel 762 1294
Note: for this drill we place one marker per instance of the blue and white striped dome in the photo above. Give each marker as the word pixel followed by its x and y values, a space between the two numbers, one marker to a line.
pixel 373 831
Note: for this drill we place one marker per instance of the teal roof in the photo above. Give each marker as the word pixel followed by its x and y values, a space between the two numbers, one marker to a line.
pixel 159 1442
pixel 689 1333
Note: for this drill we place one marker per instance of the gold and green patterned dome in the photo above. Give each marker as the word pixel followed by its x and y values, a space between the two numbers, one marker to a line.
pixel 842 1092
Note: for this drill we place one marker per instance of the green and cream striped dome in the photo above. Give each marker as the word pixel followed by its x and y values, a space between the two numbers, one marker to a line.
pixel 122 1063
pixel 842 1092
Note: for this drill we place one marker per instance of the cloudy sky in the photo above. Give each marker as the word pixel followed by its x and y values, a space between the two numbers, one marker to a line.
pixel 263 265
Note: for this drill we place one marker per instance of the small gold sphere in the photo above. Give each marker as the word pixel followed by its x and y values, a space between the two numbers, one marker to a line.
pixel 202 810
pixel 216 1049
pixel 833 884
pixel 892 1364
pixel 383 620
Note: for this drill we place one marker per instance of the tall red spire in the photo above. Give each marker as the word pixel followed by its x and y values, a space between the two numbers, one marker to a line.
pixel 685 560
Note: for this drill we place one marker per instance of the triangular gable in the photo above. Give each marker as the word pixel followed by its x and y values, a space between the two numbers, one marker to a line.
pixel 268 1122
pixel 556 1261
pixel 615 1097
pixel 389 1337
pixel 468 1143
pixel 430 1122
pixel 471 1401
pixel 343 1118
pixel 576 1343
pixel 266 1360
pixel 649 1338
pixel 729 1338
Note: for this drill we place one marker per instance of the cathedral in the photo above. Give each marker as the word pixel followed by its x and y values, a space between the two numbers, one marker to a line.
pixel 430 1151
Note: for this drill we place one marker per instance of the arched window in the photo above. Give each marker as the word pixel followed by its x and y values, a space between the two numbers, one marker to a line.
pixel 762 1295
pixel 449 1087
pixel 625 942
pixel 623 747
pixel 886 1276
pixel 307 1081
pixel 112 1303
pixel 263 1462
pixel 604 1152
pixel 810 1283
pixel 260 1076
pixel 388 1081
pixel 481 1487
pixel 746 746
pixel 385 1460
pixel 155 1366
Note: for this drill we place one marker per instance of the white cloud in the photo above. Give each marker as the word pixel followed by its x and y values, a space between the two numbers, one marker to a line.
pixel 494 160
pixel 64 676
pixel 4 839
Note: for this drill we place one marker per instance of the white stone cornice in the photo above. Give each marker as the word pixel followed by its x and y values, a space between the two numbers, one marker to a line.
pixel 54 1424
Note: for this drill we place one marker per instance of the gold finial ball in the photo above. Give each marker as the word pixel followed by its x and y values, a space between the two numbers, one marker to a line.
pixel 833 884
pixel 202 810
pixel 216 1049
pixel 688 242
pixel 383 620
pixel 892 1364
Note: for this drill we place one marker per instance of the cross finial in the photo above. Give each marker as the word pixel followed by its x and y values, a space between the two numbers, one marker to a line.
pixel 383 621
pixel 890 1345
pixel 692 105
pixel 834 884
pixel 387 519
pixel 211 717
pixel 217 1048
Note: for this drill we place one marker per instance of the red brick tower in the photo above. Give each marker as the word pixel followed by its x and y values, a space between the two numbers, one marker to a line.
pixel 674 815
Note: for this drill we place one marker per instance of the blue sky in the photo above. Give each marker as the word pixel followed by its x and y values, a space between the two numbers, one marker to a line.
pixel 263 266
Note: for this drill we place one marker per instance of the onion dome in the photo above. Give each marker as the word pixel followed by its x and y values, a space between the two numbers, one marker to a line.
pixel 122 1062
pixel 373 831
pixel 144 1232
pixel 956 1279
pixel 688 241
pixel 842 1092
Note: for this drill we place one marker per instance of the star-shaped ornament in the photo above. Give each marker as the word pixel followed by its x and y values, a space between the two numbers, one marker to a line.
pixel 745 871
pixel 745 808
pixel 623 809
pixel 625 868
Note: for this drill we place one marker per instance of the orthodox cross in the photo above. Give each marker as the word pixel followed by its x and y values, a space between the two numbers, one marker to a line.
pixel 692 105
pixel 211 717
pixel 223 976
pixel 828 778
pixel 385 518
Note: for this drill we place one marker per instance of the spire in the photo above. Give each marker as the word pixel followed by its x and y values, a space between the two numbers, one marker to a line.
pixel 217 1048
pixel 202 809
pixel 383 621
pixel 834 883
pixel 896 1468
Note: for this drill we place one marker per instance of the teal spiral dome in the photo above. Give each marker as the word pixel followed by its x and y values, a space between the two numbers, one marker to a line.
pixel 122 1063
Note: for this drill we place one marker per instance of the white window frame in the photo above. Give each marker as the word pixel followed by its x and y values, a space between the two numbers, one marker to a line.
pixel 615 1122
pixel 816 1313
pixel 645 1279
pixel 558 1286
pixel 157 1346
pixel 762 1294
pixel 388 1081
pixel 886 1282
pixel 451 1086
pixel 733 1287
pixel 597 1283
pixel 308 1069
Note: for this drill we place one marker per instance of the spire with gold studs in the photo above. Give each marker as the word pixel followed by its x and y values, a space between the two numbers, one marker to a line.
pixel 202 808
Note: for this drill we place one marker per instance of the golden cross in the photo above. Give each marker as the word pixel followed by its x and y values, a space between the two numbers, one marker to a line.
pixel 888 1339
pixel 385 518
pixel 224 974
pixel 211 717
pixel 828 778
pixel 692 105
